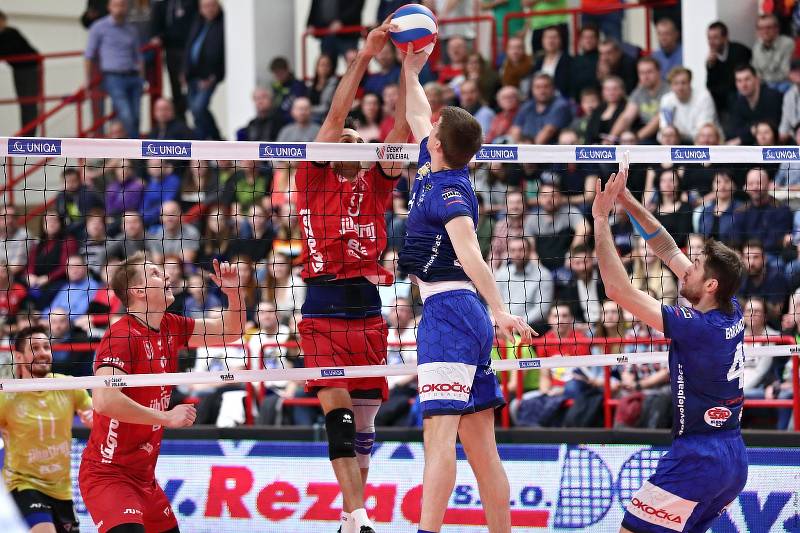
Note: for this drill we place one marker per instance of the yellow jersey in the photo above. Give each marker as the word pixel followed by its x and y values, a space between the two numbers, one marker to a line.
pixel 37 432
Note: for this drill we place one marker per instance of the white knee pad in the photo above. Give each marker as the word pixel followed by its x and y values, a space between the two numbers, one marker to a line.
pixel 365 411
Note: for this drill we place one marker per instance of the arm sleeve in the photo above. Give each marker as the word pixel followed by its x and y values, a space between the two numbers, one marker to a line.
pixel 682 324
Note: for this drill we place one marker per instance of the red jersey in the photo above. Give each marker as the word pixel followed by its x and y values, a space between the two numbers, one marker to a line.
pixel 343 224
pixel 134 348
pixel 575 344
pixel 11 298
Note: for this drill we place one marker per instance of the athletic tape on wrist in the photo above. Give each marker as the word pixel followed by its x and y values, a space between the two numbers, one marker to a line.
pixel 640 230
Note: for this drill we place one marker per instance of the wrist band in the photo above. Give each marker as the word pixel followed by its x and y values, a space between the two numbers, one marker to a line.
pixel 640 230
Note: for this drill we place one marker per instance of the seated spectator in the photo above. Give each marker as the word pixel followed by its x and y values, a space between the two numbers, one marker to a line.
pixel 165 125
pixel 670 50
pixel 556 226
pixel 765 134
pixel 268 121
pixel 555 61
pixel 510 224
pixel 302 129
pixel 434 92
pixel 641 112
pixel 75 201
pixel 611 325
pixel 15 242
pixel 368 117
pixel 47 259
pixel 491 182
pixel 400 288
pixel 390 94
pixel 669 206
pixel 577 181
pixel 584 64
pixel 457 50
pixel 132 239
pixel 255 241
pixel 598 130
pixel 202 183
pixel 124 192
pixel 283 286
pixel 612 61
pixel 763 218
pixel 479 71
pixel 174 269
pixel 790 111
pixel 216 237
pixel 211 409
pixel 763 281
pixel 717 217
pixel 782 390
pixel 322 87
pixel 757 372
pixel 539 120
pixel 648 386
pixel 669 136
pixel 285 87
pixel 163 185
pixel 525 285
pixel 266 347
pixel 724 55
pixel 12 296
pixel 204 66
pixel 540 22
pixel 517 64
pixel 201 301
pixel 471 101
pixel 754 102
pixel 251 182
pixel 248 283
pixel 685 108
pixel 388 72
pixel 105 308
pixel 116 129
pixel 649 274
pixel 93 245
pixel 508 100
pixel 63 332
pixel 580 285
pixel 173 237
pixel 402 389
pixel 588 102
pixel 78 290
pixel 772 53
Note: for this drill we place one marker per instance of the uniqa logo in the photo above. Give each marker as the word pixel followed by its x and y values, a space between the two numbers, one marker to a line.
pixel 332 372
pixel 592 153
pixel 497 153
pixel 281 151
pixel 780 154
pixel 534 363
pixel 17 146
pixel 690 154
pixel 166 149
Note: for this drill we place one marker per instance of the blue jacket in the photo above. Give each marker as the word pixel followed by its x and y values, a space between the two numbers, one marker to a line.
pixel 727 230
pixel 767 223
pixel 156 192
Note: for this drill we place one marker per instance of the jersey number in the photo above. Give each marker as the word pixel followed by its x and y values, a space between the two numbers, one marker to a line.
pixel 737 368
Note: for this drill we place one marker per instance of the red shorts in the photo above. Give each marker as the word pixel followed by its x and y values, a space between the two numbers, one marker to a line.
pixel 343 342
pixel 113 499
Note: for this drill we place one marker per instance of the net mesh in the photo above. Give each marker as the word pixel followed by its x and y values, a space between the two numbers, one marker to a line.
pixel 73 217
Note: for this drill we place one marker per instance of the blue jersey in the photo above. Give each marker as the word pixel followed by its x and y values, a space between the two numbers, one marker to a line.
pixel 706 364
pixel 436 198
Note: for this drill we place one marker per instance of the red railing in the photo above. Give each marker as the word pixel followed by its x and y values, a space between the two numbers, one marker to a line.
pixel 77 98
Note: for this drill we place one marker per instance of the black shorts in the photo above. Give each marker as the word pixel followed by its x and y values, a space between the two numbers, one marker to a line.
pixel 39 508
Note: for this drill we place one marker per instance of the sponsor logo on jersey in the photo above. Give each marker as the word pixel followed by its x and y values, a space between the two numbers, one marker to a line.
pixel 787 153
pixel 681 400
pixel 734 330
pixel 717 416
pixel 423 171
pixel 656 512
pixel 594 153
pixel 391 152
pixel 451 193
pixel 332 372
pixel 316 259
pixel 115 383
pixel 281 151
pixel 445 387
pixel 131 511
pixel 166 149
pixel 17 146
pixel 491 152
pixel 107 450
pixel 690 154
pixel 530 363
pixel 147 447
pixel 116 361
pixel 227 377
pixel 657 506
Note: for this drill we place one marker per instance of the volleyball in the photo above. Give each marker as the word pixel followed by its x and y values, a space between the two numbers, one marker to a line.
pixel 415 24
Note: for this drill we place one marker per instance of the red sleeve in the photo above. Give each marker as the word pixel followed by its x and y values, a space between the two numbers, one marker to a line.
pixel 310 176
pixel 382 184
pixel 117 350
pixel 179 327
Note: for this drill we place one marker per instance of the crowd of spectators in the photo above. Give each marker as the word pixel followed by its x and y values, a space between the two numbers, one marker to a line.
pixel 535 227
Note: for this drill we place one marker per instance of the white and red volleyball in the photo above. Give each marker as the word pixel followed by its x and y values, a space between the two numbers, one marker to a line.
pixel 415 24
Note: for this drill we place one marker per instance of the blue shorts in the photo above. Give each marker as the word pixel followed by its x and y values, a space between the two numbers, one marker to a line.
pixel 454 348
pixel 693 484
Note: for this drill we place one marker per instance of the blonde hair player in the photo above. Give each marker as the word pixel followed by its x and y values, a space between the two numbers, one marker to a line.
pixel 706 367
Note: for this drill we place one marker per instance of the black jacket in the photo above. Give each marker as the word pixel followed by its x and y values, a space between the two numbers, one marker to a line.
pixel 769 107
pixel 349 13
pixel 171 20
pixel 720 79
pixel 211 61
pixel 265 128
pixel 86 200
pixel 175 129
pixel 562 79
pixel 13 43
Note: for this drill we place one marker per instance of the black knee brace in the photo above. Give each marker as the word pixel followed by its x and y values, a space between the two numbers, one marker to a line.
pixel 341 428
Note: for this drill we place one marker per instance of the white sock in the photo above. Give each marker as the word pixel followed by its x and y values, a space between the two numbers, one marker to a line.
pixel 347 523
pixel 360 518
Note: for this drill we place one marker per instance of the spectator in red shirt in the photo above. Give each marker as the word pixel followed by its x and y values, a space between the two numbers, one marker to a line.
pixel 562 339
pixel 457 52
pixel 508 100
pixel 12 294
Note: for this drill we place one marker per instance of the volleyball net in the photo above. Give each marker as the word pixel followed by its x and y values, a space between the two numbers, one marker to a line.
pixel 74 209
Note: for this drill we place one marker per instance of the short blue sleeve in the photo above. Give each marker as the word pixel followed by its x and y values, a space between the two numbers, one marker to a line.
pixel 682 323
pixel 452 200
pixel 424 154
pixel 559 115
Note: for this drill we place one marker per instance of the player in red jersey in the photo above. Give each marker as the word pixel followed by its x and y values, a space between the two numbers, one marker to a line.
pixel 117 474
pixel 342 210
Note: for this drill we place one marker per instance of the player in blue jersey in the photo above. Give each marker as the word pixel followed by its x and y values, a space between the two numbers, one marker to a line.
pixel 458 390
pixel 706 467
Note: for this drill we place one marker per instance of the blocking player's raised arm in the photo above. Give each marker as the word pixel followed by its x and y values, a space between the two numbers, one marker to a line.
pixel 418 109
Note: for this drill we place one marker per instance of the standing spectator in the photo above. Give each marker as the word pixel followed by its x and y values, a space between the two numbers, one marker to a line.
pixel 641 112
pixel 125 191
pixel 323 86
pixel 763 281
pixel 458 50
pixel 724 55
pixel 285 87
pixel 613 61
pixel 74 295
pixel 499 9
pixel 114 44
pixel 15 243
pixel 584 64
pixel 555 61
pixel 670 52
pixel 717 216
pixel 538 23
pixel 540 119
pixel 772 53
pixel 389 72
pixel 368 117
pixel 170 22
pixel 25 72
pixel 204 66
pixel 764 218
pixel 471 101
pixel 47 259
pixel 754 102
pixel 268 120
pixel 93 246
pixel 163 185
pixel 166 125
pixel 588 101
pixel 508 101
pixel 580 285
pixel 173 237
pixel 511 224
pixel 557 226
pixel 75 201
pixel 525 285
pixel 301 129
pixel 790 115
pixel 685 108
pixel 610 23
pixel 331 16
pixel 602 119
pixel 132 239
pixel 517 64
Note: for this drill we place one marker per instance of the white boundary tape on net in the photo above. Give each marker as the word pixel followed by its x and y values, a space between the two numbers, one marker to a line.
pixel 242 150
pixel 302 374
